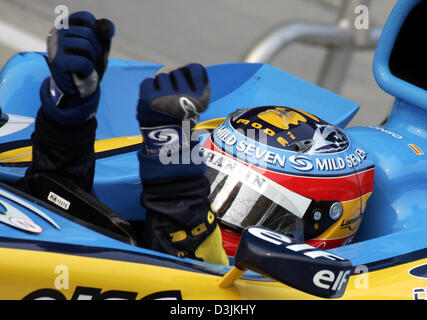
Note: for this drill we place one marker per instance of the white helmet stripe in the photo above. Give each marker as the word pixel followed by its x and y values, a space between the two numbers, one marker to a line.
pixel 238 172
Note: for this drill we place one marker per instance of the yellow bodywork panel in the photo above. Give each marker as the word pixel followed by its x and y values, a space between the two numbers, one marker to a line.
pixel 25 272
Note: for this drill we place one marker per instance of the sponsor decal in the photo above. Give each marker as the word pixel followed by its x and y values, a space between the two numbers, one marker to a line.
pixel 417 150
pixel 189 109
pixel 301 162
pixel 290 129
pixel 25 224
pixel 419 293
pixel 15 218
pixel 232 167
pixel 165 140
pixel 261 154
pixel 386 131
pixel 330 164
pixel 351 160
pixel 326 279
pixel 328 139
pixel 89 293
pixel 326 274
pixel 419 271
pixel 280 239
pixel 282 117
pixel 12 216
pixel 238 171
pixel 348 224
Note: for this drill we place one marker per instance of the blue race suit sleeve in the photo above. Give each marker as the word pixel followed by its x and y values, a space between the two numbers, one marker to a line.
pixel 65 150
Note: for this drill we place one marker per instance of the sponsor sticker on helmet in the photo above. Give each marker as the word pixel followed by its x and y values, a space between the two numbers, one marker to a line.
pixel 264 156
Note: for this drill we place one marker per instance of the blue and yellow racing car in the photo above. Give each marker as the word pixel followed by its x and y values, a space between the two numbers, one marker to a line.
pixel 48 253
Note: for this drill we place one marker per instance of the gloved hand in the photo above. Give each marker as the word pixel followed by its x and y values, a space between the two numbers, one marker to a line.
pixel 77 58
pixel 175 97
pixel 169 106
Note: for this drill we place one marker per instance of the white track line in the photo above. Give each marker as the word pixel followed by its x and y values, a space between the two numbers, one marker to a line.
pixel 19 40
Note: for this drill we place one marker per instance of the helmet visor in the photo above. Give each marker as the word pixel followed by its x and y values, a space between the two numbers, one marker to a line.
pixel 242 197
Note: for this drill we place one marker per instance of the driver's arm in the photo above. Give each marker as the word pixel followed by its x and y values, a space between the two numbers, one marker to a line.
pixel 175 191
pixel 63 140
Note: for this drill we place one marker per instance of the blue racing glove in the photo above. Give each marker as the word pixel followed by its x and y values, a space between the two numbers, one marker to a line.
pixel 169 106
pixel 175 97
pixel 77 58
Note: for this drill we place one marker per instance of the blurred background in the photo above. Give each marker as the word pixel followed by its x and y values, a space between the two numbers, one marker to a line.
pixel 174 33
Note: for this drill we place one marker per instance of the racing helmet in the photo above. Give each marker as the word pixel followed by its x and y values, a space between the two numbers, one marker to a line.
pixel 287 170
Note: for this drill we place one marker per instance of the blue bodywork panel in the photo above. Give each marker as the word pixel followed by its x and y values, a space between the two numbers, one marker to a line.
pixel 395 220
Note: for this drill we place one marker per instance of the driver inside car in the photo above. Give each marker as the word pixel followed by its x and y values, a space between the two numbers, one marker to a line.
pixel 272 166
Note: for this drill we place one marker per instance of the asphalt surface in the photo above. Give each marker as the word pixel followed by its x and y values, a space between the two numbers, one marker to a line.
pixel 175 32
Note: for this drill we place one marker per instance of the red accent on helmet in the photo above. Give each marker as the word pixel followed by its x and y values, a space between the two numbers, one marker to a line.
pixel 318 188
pixel 329 243
pixel 230 240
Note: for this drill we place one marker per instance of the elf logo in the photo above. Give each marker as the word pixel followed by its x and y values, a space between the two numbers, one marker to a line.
pixel 302 266
pixel 326 279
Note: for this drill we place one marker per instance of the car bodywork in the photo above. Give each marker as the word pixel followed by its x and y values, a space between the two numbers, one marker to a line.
pixel 46 253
